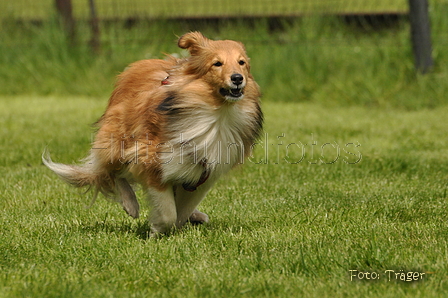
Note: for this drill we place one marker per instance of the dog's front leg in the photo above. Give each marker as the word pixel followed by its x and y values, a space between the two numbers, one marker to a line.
pixel 187 201
pixel 163 209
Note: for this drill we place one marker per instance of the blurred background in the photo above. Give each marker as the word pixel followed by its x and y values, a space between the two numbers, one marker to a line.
pixel 325 51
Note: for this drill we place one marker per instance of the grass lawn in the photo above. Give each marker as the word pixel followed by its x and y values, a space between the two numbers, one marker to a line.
pixel 293 225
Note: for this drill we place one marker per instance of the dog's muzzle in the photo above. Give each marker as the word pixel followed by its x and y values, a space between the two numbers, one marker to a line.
pixel 236 91
pixel 232 94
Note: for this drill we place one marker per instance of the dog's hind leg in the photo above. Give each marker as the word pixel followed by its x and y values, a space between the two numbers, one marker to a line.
pixel 127 197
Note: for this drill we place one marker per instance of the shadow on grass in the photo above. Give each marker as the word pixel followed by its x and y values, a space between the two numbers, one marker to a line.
pixel 142 229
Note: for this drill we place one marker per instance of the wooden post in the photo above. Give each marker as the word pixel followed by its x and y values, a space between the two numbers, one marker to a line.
pixel 64 9
pixel 95 42
pixel 421 34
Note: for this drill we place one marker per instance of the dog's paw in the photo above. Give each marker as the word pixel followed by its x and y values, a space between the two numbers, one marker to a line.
pixel 131 208
pixel 198 217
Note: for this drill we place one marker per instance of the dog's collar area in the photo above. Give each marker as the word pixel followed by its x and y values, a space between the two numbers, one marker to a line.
pixel 204 176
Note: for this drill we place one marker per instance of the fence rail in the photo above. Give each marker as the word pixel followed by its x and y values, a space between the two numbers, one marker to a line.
pixel 115 9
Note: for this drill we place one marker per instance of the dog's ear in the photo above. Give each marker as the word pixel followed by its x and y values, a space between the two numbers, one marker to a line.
pixel 193 42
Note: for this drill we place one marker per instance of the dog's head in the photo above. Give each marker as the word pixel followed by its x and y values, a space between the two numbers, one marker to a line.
pixel 223 64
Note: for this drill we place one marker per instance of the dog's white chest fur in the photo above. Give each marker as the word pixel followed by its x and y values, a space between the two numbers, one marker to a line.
pixel 208 140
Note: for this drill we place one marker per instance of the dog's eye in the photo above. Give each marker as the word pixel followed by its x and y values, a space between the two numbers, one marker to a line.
pixel 241 62
pixel 217 64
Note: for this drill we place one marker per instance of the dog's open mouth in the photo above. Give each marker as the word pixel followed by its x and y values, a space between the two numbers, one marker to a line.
pixel 232 93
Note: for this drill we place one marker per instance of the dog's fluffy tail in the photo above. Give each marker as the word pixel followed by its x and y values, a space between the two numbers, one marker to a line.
pixel 84 175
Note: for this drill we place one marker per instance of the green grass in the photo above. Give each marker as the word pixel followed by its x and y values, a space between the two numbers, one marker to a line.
pixel 198 8
pixel 277 229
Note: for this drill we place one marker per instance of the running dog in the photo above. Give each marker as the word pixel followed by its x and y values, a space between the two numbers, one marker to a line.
pixel 173 126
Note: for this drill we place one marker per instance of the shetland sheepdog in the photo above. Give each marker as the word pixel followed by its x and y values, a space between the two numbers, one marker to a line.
pixel 173 126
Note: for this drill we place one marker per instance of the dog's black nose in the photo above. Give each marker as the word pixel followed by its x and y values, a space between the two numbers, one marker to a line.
pixel 237 78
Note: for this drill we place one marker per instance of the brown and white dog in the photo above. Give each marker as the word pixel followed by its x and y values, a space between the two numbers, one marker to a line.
pixel 174 126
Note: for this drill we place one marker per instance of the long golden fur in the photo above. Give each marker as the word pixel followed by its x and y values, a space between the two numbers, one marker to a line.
pixel 174 126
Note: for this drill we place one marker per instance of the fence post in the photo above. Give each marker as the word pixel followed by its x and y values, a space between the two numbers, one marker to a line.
pixel 64 9
pixel 94 42
pixel 421 34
